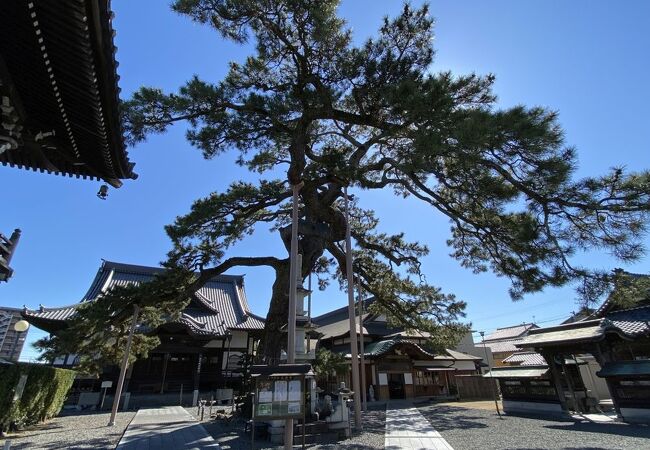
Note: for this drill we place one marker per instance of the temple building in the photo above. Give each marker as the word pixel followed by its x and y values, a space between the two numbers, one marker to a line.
pixel 586 365
pixel 198 353
pixel 397 363
pixel 201 352
pixel 11 341
pixel 59 94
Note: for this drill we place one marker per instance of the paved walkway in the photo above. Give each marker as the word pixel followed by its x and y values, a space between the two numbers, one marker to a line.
pixel 165 428
pixel 408 429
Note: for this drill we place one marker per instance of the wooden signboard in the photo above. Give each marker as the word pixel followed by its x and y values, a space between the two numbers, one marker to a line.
pixel 280 397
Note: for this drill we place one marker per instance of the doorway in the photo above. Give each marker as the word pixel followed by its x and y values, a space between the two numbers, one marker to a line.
pixel 396 386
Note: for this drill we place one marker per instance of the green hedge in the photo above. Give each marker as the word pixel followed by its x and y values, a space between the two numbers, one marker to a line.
pixel 43 396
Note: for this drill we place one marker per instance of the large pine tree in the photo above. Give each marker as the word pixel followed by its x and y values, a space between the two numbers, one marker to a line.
pixel 311 105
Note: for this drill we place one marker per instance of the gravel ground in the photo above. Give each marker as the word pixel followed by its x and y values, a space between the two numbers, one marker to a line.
pixel 231 436
pixel 469 429
pixel 72 430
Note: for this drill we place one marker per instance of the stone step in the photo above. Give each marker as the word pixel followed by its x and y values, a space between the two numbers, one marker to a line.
pixel 312 427
pixel 319 438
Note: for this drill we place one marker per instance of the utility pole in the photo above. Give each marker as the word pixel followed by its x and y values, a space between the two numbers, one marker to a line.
pixel 294 271
pixel 364 400
pixel 494 393
pixel 353 325
pixel 125 363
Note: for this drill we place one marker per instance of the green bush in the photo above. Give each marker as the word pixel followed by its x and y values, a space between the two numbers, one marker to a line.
pixel 43 396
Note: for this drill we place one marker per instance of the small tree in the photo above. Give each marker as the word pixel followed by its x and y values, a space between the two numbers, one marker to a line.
pixel 328 363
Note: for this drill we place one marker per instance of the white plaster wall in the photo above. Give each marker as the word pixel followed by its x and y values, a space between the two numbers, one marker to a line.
pixel 238 339
pixel 467 345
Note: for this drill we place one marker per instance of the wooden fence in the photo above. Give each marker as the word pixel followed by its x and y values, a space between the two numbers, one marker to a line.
pixel 475 387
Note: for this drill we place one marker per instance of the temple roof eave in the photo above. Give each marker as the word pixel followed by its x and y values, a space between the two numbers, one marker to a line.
pixel 220 306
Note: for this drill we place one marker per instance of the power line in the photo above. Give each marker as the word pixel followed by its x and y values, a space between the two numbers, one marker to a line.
pixel 551 319
pixel 527 309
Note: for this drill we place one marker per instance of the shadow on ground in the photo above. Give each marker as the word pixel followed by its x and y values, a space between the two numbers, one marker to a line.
pixel 445 418
pixel 638 431
pixel 231 435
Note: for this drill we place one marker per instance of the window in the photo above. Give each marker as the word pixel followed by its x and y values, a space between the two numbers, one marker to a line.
pixel 423 377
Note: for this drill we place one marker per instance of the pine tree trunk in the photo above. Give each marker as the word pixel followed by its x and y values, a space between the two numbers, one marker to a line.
pixel 274 338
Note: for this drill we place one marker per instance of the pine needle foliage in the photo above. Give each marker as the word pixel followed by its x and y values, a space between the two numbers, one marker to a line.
pixel 311 105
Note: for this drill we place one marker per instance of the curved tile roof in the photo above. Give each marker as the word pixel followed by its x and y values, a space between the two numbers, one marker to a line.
pixel 502 346
pixel 375 349
pixel 630 322
pixel 526 359
pixel 223 300
pixel 627 323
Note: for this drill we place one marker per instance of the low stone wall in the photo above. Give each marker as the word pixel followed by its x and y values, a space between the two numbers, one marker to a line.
pixel 533 408
pixel 155 400
pixel 636 415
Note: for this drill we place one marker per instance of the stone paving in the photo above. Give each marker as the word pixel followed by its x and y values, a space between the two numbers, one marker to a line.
pixel 408 429
pixel 166 428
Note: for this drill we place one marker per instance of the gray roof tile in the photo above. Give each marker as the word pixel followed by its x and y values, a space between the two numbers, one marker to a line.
pixel 525 359
pixel 502 346
pixel 224 299
pixel 510 332
pixel 631 322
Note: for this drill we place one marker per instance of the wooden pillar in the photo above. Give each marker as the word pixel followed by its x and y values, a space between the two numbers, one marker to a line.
pixel 569 383
pixel 557 379
pixel 164 375
pixel 197 379
pixel 447 382
pixel 197 373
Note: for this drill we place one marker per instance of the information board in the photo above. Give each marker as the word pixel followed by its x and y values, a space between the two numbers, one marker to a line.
pixel 279 397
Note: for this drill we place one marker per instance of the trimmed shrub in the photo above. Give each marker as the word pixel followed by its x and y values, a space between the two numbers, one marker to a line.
pixel 43 396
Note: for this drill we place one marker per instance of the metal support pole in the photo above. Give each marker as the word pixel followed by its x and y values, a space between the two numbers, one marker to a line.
pixel 227 369
pixel 13 348
pixel 101 405
pixel 494 393
pixel 309 300
pixel 364 400
pixel 125 363
pixel 294 270
pixel 353 335
pixel 309 313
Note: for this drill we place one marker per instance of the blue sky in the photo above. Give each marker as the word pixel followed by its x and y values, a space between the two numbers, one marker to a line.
pixel 586 59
